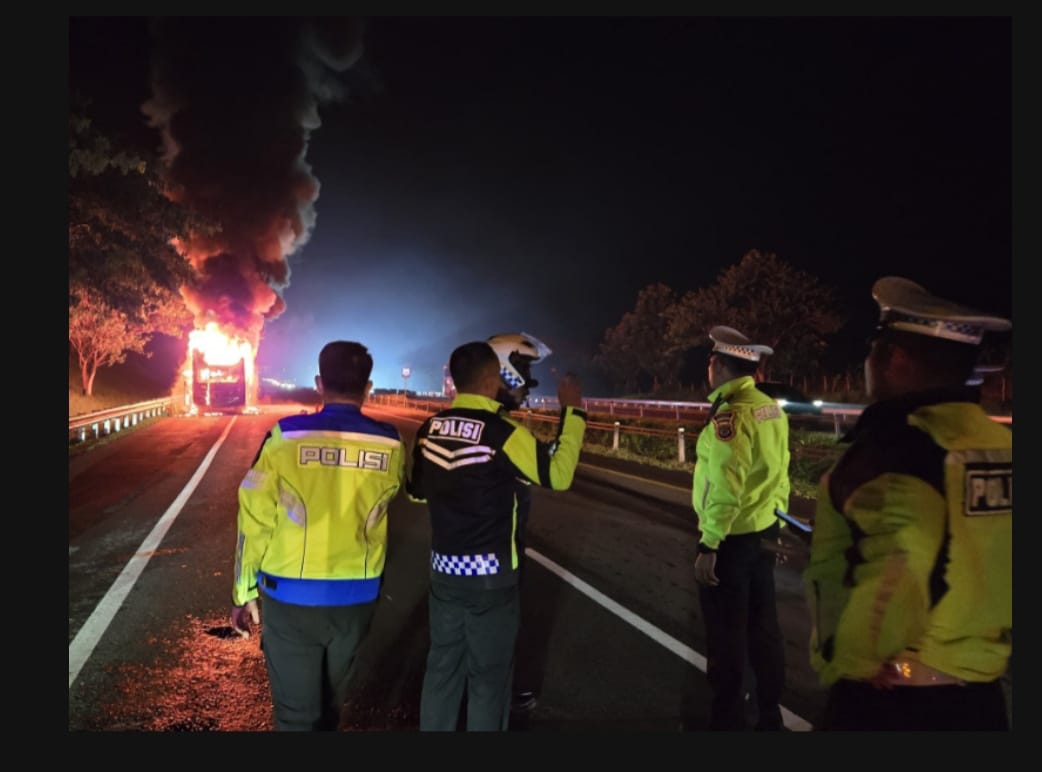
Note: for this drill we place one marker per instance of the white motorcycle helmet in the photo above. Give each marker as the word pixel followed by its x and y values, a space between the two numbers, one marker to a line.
pixel 517 352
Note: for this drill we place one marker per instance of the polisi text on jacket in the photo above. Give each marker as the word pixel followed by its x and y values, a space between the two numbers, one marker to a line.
pixel 463 429
pixel 333 456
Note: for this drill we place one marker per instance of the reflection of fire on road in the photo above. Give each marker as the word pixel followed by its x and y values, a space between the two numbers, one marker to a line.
pixel 199 675
pixel 223 373
pixel 206 679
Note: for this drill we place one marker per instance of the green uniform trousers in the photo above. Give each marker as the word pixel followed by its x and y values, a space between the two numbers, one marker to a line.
pixel 309 651
pixel 473 635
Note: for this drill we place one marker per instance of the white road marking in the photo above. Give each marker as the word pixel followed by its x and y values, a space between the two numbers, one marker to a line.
pixel 87 638
pixel 791 720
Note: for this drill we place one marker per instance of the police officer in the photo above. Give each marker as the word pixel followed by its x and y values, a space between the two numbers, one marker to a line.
pixel 910 578
pixel 465 465
pixel 517 353
pixel 741 478
pixel 312 540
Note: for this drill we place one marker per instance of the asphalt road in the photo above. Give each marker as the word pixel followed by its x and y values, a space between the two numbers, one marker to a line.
pixel 612 635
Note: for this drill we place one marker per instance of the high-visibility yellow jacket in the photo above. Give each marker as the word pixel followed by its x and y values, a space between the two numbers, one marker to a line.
pixel 312 509
pixel 912 545
pixel 742 467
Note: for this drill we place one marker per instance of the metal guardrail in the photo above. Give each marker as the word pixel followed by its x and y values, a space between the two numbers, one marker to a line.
pixel 643 408
pixel 617 430
pixel 839 411
pixel 104 422
pixel 547 411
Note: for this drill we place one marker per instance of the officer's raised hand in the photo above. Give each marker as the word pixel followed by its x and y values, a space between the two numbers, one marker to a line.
pixel 569 391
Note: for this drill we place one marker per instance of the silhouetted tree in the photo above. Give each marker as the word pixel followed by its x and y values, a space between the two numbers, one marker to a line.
pixel 102 335
pixel 768 300
pixel 633 354
pixel 125 271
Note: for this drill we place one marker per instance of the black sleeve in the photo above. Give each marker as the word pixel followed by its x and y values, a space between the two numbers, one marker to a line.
pixel 414 472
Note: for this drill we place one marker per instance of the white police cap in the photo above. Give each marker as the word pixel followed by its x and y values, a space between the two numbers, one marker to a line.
pixel 905 305
pixel 727 340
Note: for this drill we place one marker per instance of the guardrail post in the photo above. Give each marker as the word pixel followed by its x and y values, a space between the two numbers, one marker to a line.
pixel 108 421
pixel 835 423
pixel 680 444
pixel 615 438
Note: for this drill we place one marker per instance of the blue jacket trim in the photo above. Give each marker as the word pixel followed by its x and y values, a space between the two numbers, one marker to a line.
pixel 341 417
pixel 319 592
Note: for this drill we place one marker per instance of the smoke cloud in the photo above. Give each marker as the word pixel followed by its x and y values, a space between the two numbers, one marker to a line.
pixel 236 100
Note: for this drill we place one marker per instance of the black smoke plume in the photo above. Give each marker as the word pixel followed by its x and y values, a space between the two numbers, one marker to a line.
pixel 236 100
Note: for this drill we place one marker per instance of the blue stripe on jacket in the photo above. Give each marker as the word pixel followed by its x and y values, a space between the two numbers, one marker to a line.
pixel 319 592
pixel 339 417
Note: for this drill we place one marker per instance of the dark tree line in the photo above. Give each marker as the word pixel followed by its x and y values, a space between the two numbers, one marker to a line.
pixel 656 346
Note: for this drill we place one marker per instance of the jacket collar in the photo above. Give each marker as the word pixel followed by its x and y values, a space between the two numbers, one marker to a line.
pixel 341 407
pixel 476 402
pixel 727 390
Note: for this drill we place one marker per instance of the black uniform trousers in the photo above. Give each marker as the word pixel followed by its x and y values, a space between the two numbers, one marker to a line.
pixel 309 651
pixel 741 623
pixel 854 705
pixel 473 634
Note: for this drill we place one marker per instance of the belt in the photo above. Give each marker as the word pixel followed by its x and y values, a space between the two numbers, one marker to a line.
pixel 910 672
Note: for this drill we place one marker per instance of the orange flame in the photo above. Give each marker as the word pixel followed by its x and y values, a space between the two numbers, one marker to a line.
pixel 221 350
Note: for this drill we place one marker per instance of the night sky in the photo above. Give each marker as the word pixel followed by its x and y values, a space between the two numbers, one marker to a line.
pixel 485 175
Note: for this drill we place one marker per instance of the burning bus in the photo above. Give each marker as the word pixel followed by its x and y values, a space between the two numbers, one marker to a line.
pixel 222 371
